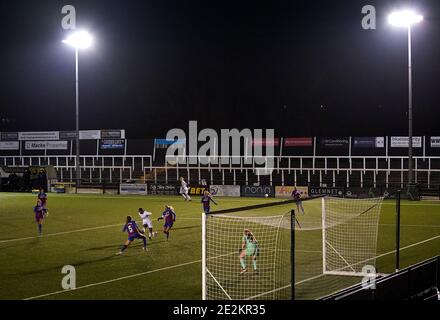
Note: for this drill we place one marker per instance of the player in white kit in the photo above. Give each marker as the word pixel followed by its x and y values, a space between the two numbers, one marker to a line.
pixel 184 189
pixel 146 222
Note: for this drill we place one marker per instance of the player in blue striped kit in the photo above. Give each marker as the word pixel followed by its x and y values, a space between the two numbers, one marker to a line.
pixel 133 233
pixel 42 196
pixel 169 216
pixel 206 200
pixel 40 212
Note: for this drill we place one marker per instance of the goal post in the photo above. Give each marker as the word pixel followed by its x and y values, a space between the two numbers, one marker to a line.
pixel 349 235
pixel 246 257
pixel 203 256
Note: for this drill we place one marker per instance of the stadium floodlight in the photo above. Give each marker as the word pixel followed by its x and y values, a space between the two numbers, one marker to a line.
pixel 404 18
pixel 79 40
pixel 407 18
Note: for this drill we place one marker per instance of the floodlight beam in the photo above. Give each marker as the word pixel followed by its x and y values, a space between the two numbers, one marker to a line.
pixel 79 40
pixel 404 18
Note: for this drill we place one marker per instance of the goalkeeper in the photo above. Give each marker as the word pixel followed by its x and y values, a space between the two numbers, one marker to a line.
pixel 249 248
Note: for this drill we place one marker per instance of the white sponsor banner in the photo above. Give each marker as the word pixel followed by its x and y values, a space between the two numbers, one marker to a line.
pixel 90 191
pixel 46 145
pixel 35 145
pixel 133 188
pixel 286 191
pixel 435 142
pixel 113 134
pixel 90 134
pixel 56 145
pixel 9 145
pixel 225 191
pixel 39 136
pixel 403 142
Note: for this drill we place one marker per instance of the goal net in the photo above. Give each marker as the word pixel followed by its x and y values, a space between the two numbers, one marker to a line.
pixel 333 244
pixel 246 257
pixel 349 235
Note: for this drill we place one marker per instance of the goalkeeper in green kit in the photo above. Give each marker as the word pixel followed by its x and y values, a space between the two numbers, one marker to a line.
pixel 249 248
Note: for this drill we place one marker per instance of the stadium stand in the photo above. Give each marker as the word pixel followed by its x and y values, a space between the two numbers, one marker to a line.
pixel 313 165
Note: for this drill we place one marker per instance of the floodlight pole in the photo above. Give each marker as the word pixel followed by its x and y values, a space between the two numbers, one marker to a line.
pixel 79 40
pixel 410 116
pixel 78 168
pixel 398 230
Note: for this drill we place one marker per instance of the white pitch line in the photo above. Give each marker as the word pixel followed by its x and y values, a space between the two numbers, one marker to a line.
pixel 378 256
pixel 411 204
pixel 197 261
pixel 161 197
pixel 321 275
pixel 129 276
pixel 409 246
pixel 74 231
pixel 61 233
pixel 149 197
pixel 115 225
pixel 183 218
pixel 113 280
pixel 411 225
pixel 268 292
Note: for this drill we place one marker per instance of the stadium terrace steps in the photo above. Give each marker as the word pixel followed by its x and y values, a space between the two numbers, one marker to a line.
pixel 128 168
pixel 217 177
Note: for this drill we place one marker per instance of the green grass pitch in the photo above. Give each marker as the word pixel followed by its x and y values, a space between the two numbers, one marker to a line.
pixel 86 231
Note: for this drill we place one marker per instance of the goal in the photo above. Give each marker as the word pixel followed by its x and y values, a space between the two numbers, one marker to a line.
pixel 260 272
pixel 321 251
pixel 349 235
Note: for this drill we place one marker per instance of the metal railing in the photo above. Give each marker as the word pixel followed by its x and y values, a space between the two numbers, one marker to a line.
pixel 328 170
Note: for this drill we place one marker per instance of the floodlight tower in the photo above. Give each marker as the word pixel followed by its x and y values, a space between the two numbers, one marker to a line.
pixel 406 19
pixel 79 40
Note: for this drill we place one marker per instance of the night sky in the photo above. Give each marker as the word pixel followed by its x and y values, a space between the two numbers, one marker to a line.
pixel 301 67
